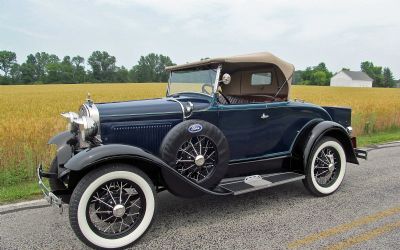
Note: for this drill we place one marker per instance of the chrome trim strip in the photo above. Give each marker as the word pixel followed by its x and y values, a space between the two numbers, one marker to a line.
pixel 275 156
pixel 217 78
pixel 144 114
pixel 169 83
pixel 182 107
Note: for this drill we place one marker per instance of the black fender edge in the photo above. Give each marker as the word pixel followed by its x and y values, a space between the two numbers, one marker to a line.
pixel 335 130
pixel 63 142
pixel 90 157
pixel 61 138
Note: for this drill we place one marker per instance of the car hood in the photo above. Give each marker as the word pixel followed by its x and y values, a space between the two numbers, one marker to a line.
pixel 137 110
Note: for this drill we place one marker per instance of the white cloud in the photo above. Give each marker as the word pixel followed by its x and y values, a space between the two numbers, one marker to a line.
pixel 339 32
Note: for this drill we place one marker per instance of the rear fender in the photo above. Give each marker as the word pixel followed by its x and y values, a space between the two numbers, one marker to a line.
pixel 332 129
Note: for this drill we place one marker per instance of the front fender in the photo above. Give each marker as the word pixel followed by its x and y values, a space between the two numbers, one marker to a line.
pixel 63 141
pixel 93 156
pixel 333 129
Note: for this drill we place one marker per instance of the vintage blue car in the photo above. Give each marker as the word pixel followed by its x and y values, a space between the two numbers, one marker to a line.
pixel 225 127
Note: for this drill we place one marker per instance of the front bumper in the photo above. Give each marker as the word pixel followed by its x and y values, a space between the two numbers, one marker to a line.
pixel 48 195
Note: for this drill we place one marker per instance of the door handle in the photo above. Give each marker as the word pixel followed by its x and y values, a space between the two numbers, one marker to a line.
pixel 264 116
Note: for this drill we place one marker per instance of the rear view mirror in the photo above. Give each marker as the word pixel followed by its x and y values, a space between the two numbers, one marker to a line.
pixel 226 79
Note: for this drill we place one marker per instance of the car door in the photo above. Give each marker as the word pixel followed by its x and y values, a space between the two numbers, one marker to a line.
pixel 251 129
pixel 244 126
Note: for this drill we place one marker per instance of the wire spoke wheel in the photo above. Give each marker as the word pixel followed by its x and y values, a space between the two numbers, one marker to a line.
pixel 327 166
pixel 197 158
pixel 116 208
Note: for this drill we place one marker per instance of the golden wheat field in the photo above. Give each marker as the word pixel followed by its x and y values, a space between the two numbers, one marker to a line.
pixel 30 115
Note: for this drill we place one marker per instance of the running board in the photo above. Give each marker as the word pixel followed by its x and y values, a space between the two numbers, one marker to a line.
pixel 242 185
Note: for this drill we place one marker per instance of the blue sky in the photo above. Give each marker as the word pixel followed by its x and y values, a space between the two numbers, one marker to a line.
pixel 340 33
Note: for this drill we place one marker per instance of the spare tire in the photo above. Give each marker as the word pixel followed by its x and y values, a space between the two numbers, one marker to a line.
pixel 197 150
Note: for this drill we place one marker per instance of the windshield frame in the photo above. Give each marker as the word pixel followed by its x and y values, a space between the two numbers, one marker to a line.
pixel 214 90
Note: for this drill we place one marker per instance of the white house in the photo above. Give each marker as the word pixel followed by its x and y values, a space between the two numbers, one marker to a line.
pixel 346 78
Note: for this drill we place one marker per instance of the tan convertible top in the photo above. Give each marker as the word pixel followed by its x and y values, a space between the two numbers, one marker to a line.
pixel 262 57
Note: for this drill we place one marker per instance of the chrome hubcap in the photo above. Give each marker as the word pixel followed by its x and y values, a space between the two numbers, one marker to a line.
pixel 327 166
pixel 199 160
pixel 119 210
pixel 331 165
pixel 116 208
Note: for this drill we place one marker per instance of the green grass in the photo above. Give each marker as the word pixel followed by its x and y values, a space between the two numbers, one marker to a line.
pixel 379 137
pixel 27 190
pixel 17 185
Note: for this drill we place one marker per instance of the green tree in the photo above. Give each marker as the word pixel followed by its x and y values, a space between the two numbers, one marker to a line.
pixel 319 78
pixel 7 60
pixel 42 60
pixel 67 70
pixel 54 73
pixel 78 69
pixel 151 68
pixel 15 73
pixel 388 79
pixel 317 75
pixel 121 75
pixel 297 77
pixel 375 72
pixel 103 66
pixel 28 70
pixel 162 74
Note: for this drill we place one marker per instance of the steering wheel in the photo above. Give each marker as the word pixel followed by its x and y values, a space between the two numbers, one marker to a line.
pixel 203 88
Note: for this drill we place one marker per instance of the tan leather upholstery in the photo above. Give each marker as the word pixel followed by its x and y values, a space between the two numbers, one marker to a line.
pixel 247 99
pixel 240 90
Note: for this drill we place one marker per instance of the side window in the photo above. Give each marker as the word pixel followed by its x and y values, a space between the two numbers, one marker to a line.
pixel 261 78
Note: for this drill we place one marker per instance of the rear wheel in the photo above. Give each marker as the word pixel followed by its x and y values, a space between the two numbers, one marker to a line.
pixel 113 206
pixel 326 167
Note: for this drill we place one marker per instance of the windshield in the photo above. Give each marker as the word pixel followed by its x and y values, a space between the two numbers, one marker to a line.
pixel 197 81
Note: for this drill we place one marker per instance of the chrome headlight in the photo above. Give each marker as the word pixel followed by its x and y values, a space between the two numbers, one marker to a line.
pixel 90 110
pixel 71 117
pixel 87 127
pixel 86 123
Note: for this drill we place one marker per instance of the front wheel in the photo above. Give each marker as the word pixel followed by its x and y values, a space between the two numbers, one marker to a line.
pixel 326 167
pixel 112 206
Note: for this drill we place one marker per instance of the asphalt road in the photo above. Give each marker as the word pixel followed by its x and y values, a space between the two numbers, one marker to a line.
pixel 363 214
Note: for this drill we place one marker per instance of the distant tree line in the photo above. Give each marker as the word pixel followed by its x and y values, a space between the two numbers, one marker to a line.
pixel 48 68
pixel 320 75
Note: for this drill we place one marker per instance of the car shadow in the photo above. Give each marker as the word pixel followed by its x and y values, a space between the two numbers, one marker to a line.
pixel 175 212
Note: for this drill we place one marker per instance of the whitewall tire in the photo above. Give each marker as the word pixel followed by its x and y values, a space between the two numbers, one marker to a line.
pixel 326 167
pixel 112 206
